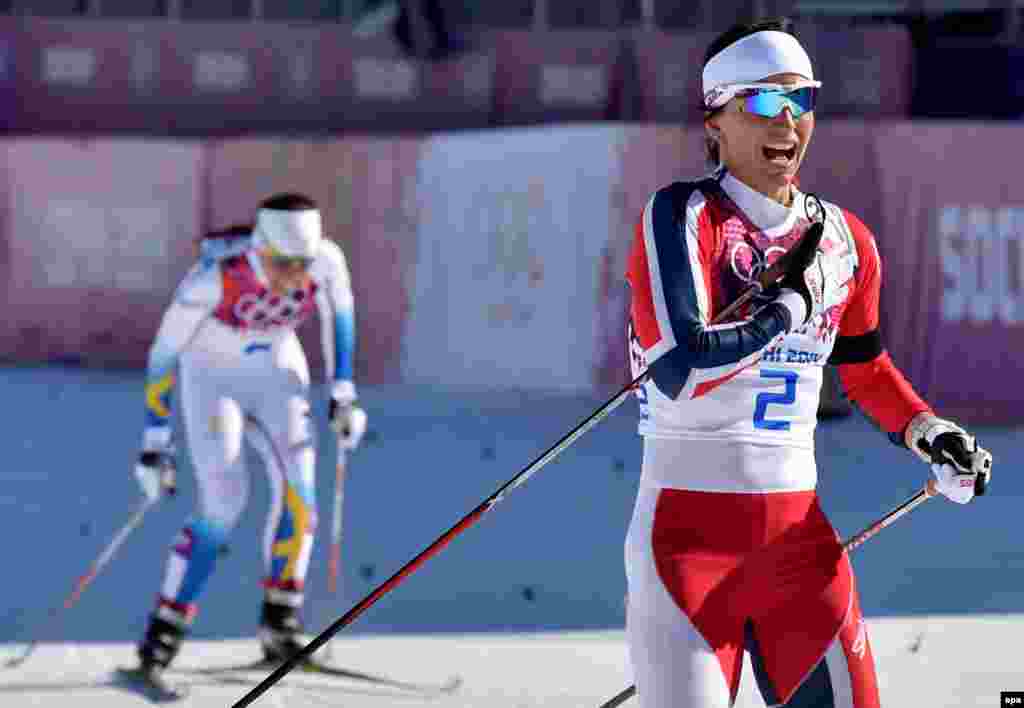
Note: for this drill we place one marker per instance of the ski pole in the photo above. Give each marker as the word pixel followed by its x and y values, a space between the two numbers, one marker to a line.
pixel 334 558
pixel 928 491
pixel 443 540
pixel 83 581
pixel 334 561
pixel 808 243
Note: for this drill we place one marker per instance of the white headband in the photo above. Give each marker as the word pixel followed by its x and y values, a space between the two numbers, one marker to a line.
pixel 754 57
pixel 293 233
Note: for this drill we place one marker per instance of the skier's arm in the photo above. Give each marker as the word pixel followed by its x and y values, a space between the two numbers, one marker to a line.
pixel 338 334
pixel 671 306
pixel 963 468
pixel 868 373
pixel 194 301
pixel 337 323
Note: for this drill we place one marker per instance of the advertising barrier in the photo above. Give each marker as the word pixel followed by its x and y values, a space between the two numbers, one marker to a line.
pixel 94 245
pixel 954 253
pixel 555 76
pixel 224 79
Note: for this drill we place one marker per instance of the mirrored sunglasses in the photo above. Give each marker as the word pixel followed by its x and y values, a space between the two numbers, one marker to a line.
pixel 768 103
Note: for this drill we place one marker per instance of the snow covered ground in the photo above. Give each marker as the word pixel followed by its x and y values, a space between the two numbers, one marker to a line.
pixel 926 662
pixel 525 606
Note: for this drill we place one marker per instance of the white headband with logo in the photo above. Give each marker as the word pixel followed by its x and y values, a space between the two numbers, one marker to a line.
pixel 752 58
pixel 292 233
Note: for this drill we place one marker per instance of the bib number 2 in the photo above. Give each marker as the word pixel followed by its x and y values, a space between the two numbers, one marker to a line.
pixel 765 398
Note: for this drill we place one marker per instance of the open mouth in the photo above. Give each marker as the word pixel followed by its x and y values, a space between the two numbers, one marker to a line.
pixel 779 154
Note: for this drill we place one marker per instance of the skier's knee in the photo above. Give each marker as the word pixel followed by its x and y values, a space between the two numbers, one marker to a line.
pixel 206 537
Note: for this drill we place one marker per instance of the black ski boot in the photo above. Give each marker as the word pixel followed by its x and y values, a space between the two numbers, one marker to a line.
pixel 280 631
pixel 159 646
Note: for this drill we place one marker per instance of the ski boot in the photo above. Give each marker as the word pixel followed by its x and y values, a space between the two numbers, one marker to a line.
pixel 159 646
pixel 280 631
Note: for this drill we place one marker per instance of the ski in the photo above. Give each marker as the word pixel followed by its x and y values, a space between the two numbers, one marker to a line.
pixel 322 669
pixel 153 688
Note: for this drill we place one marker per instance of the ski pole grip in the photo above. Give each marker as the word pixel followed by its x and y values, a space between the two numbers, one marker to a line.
pixel 799 257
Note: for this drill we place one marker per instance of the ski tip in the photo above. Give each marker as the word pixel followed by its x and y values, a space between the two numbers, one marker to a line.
pixel 14 663
pixel 21 654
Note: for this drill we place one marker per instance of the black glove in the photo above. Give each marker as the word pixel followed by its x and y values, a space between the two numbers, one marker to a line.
pixel 953 453
pixel 799 275
pixel 955 450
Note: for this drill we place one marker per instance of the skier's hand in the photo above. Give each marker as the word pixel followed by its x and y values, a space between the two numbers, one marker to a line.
pixel 155 472
pixel 155 468
pixel 962 467
pixel 818 283
pixel 348 421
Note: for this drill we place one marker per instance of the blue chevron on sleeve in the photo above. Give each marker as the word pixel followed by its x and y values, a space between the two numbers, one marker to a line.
pixel 344 344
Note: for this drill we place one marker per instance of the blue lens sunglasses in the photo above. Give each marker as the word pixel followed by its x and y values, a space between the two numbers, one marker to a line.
pixel 768 100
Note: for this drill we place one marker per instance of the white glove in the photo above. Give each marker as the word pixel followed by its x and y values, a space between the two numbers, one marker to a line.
pixel 155 469
pixel 962 467
pixel 348 421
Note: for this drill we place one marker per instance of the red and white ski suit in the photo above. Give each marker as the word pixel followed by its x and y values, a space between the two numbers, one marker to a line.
pixel 728 549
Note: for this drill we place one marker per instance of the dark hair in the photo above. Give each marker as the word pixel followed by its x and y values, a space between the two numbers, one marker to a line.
pixel 233 231
pixel 289 201
pixel 228 234
pixel 727 38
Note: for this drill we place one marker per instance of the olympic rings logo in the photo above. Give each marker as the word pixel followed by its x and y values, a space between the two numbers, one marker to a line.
pixel 747 264
pixel 268 310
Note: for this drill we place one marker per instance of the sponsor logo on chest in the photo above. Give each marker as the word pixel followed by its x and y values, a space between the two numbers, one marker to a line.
pixel 264 310
pixel 249 305
pixel 783 354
